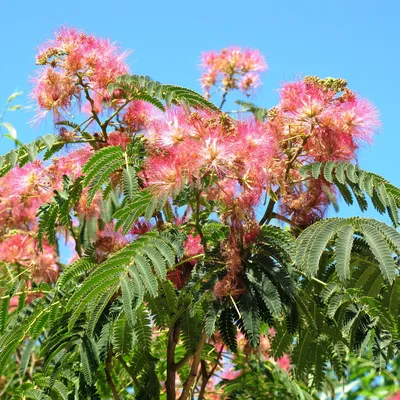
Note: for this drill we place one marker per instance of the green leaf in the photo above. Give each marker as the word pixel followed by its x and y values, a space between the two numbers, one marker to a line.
pixel 211 319
pixel 328 169
pixel 26 355
pixel 228 329
pixel 381 251
pixel 146 274
pixel 123 337
pixel 268 292
pixel 96 309
pixel 127 299
pixel 4 304
pixel 323 231
pixel 130 183
pixel 251 319
pixel 14 96
pixel 343 246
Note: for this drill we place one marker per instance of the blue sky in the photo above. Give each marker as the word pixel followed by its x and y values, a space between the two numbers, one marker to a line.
pixel 354 39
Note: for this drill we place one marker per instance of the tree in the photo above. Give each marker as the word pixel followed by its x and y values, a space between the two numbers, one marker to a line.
pixel 176 288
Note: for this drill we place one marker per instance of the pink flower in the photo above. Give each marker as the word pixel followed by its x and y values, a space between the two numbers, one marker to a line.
pixel 230 374
pixel 216 155
pixel 193 247
pixel 119 139
pixel 109 241
pixel 140 227
pixel 272 332
pixel 71 164
pixel 233 67
pixel 92 210
pixel 54 90
pixel 74 61
pixel 137 115
pixel 165 175
pixel 249 82
pixel 22 250
pixel 284 363
pixel 360 118
pixel 30 180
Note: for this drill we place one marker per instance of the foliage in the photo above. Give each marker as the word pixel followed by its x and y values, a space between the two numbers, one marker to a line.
pixel 174 288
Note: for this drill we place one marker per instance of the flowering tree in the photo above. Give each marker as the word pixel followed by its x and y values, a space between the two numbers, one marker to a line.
pixel 201 265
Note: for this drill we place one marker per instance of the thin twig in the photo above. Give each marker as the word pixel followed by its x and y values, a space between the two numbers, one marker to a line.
pixel 207 376
pixel 129 370
pixel 193 370
pixel 92 106
pixel 108 368
pixel 108 120
pixel 268 212
pixel 198 226
pixel 223 100
pixel 173 338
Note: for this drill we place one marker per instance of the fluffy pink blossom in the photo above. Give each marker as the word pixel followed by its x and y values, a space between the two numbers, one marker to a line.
pixel 119 139
pixel 86 209
pixel 193 247
pixel 165 175
pixel 284 363
pixel 70 164
pixel 30 180
pixel 230 374
pixel 72 61
pixel 109 241
pixel 321 120
pixel 137 115
pixel 21 250
pixel 22 191
pixel 54 90
pixel 234 68
pixel 186 147
pixel 140 227
pixel 249 81
pixel 336 122
pixel 360 118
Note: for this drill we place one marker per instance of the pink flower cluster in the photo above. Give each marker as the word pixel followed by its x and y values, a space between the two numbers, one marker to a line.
pixel 137 116
pixel 335 121
pixel 317 120
pixel 193 247
pixel 187 148
pixel 232 68
pixel 22 191
pixel 73 64
pixel 21 251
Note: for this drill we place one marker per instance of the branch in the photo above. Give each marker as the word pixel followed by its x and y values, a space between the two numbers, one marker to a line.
pixel 193 370
pixel 78 243
pixel 108 374
pixel 223 100
pixel 128 369
pixel 108 120
pixel 204 380
pixel 94 113
pixel 298 152
pixel 183 361
pixel 198 226
pixel 287 220
pixel 270 208
pixel 173 337
pixel 268 212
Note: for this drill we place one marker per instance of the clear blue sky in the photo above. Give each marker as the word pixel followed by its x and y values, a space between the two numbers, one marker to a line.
pixel 354 39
